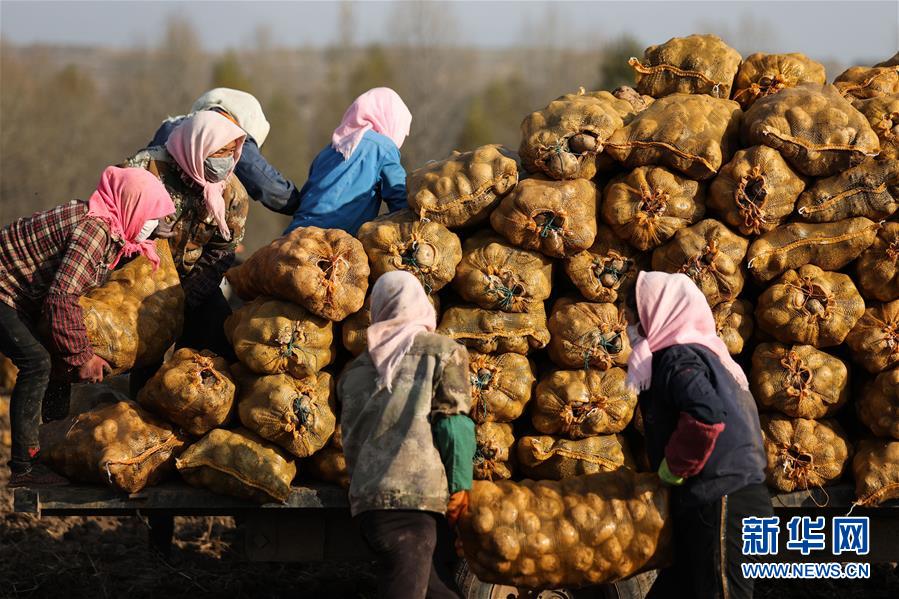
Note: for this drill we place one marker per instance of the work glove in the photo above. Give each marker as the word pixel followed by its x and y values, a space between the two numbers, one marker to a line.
pixel 667 476
pixel 93 370
pixel 457 506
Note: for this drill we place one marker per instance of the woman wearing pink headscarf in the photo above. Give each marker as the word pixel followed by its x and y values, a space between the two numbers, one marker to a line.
pixel 702 434
pixel 47 262
pixel 361 167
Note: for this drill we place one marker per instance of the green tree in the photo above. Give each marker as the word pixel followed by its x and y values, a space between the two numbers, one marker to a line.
pixel 494 115
pixel 227 72
pixel 614 71
pixel 373 70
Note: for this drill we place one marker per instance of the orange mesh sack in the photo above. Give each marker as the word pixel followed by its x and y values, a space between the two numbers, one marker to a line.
pixel 501 386
pixel 710 254
pixel 557 218
pixel 810 306
pixel 733 324
pixel 353 330
pixel 803 453
pixel 324 270
pixel 870 189
pixel 647 206
pixel 117 444
pixel 830 246
pixel 874 340
pixel 876 470
pixel 329 464
pixel 494 451
pixel 882 113
pixel 587 334
pixel 274 337
pixel 607 271
pixel 579 531
pixel 813 127
pixel 878 406
pixel 697 64
pixel 762 75
pixel 868 82
pixel 137 314
pixel 798 380
pixel 491 331
pixel 583 403
pixel 694 134
pixel 462 190
pixel 499 276
pixel 400 241
pixel 878 266
pixel 193 390
pixel 551 458
pixel 755 191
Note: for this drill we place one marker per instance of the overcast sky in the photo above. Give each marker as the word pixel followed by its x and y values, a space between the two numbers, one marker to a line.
pixel 845 30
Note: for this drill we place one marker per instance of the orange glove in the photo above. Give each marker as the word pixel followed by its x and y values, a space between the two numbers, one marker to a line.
pixel 457 506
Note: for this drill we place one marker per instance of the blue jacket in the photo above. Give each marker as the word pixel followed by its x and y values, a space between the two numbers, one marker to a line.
pixel 263 182
pixel 344 194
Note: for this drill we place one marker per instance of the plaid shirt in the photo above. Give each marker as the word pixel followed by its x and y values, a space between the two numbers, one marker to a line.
pixel 47 261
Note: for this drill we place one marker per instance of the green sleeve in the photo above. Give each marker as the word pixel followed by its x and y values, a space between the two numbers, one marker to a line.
pixel 454 439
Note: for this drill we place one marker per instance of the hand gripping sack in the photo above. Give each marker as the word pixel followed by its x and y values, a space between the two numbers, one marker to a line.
pixel 868 82
pixel 694 134
pixel 829 246
pixel 587 334
pixel 400 241
pixel 501 386
pixel 870 189
pixel 813 127
pixel 878 266
pixel 803 453
pixel 710 254
pixel 499 276
pixel 647 206
pixel 137 314
pixel 734 324
pixel 810 306
pixel 551 458
pixel 874 340
pixel 557 218
pixel 878 406
pixel 271 336
pixel 193 389
pixel 240 464
pixel 324 270
pixel 462 190
pixel 607 271
pixel 882 113
pixel 329 463
pixel 755 191
pixel 798 380
pixel 296 414
pixel 876 471
pixel 762 75
pixel 580 531
pixel 117 444
pixel 494 451
pixel 576 404
pixel 491 331
pixel 353 330
pixel 696 64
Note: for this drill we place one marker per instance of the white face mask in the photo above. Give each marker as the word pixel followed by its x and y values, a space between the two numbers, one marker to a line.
pixel 147 230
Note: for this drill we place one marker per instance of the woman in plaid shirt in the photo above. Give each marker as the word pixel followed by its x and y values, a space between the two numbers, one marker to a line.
pixel 49 260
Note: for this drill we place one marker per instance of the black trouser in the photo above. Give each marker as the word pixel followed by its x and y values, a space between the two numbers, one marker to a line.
pixel 708 547
pixel 413 550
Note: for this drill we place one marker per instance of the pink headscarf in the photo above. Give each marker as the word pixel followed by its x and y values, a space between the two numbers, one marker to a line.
pixel 673 311
pixel 400 310
pixel 126 199
pixel 380 109
pixel 191 142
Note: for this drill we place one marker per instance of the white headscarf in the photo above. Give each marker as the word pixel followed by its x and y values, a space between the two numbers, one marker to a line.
pixel 244 107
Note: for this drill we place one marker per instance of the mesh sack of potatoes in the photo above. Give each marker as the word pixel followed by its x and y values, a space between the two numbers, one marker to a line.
pixel 734 324
pixel 587 334
pixel 755 191
pixel 868 82
pixel 137 314
pixel 462 190
pixel 324 270
pixel 296 414
pixel 762 75
pixel 583 403
pixel 354 328
pixel 117 444
pixel 798 380
pixel 869 189
pixel 878 267
pixel 694 134
pixel 578 531
pixel 557 218
pixel 648 205
pixel 813 127
pixel 492 331
pixel 882 113
pixel 563 140
pixel 696 64
pixel 878 406
pixel 271 336
pixel 329 463
pixel 810 306
pixel 551 458
pixel 876 471
pixel 400 241
pixel 710 254
pixel 607 270
pixel 494 441
pixel 829 246
pixel 803 453
pixel 240 464
pixel 501 386
pixel 193 389
pixel 8 374
pixel 498 276
pixel 874 340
